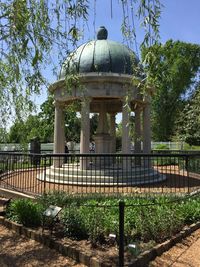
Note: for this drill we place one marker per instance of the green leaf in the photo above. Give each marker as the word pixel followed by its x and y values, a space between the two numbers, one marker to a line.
pixel 17 72
pixel 36 57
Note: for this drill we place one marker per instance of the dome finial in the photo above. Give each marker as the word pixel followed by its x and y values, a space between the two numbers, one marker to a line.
pixel 102 33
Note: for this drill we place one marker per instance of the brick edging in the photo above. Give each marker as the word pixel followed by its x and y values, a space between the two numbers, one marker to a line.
pixel 142 260
pixel 45 239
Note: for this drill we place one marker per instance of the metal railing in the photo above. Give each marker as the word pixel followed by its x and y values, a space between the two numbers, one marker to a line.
pixel 143 175
pixel 101 173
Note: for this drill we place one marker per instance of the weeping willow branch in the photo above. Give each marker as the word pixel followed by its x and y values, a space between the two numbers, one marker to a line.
pixel 38 33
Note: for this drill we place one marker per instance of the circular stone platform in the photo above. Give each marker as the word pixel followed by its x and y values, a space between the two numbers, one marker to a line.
pixel 108 176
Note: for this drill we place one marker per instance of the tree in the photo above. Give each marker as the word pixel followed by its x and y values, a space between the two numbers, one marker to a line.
pixel 188 124
pixel 72 121
pixel 73 125
pixel 23 131
pixel 3 135
pixel 42 125
pixel 31 32
pixel 46 116
pixel 173 68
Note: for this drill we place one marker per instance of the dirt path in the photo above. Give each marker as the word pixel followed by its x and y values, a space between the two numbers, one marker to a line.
pixel 183 254
pixel 19 251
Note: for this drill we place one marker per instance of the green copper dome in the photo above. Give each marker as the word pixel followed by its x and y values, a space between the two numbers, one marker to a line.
pixel 100 55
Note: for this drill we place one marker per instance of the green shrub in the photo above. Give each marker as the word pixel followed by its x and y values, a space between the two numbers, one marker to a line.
pixel 54 198
pixel 26 212
pixel 74 224
pixel 95 217
pixel 61 198
pixel 194 164
pixel 190 210
pixel 162 147
pixel 164 161
pixel 158 222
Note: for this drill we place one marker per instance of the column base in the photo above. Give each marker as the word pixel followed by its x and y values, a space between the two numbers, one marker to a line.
pixel 103 145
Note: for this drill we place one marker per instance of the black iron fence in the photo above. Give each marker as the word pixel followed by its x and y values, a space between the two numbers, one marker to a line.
pixel 119 151
pixel 127 223
pixel 101 173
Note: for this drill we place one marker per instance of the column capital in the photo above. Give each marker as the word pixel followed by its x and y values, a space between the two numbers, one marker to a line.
pixel 58 104
pixel 86 99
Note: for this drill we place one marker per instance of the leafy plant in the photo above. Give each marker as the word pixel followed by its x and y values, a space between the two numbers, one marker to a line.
pixel 25 211
pixel 57 198
pixel 190 210
pixel 146 219
pixel 94 219
pixel 158 223
pixel 74 224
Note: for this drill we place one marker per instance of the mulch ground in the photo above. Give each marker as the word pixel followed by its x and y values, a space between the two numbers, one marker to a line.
pixel 19 251
pixel 183 254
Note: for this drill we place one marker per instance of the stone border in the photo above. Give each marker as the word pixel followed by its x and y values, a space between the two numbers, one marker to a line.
pixel 79 256
pixel 144 258
pixel 8 193
pixel 46 239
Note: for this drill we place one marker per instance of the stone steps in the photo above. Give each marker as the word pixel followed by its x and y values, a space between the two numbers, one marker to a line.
pixel 108 177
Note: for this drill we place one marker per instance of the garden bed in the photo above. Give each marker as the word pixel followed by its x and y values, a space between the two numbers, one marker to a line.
pixel 87 225
pixel 82 252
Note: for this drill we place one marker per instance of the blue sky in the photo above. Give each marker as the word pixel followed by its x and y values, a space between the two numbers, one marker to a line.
pixel 180 20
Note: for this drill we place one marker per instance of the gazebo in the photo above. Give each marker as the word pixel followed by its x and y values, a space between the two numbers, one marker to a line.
pixel 104 70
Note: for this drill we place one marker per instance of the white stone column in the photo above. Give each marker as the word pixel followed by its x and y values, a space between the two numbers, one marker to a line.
pixel 102 137
pixel 59 134
pixel 102 127
pixel 113 132
pixel 146 129
pixel 147 135
pixel 85 132
pixel 126 143
pixel 138 134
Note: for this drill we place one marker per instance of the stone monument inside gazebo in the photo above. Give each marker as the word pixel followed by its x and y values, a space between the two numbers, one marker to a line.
pixel 104 69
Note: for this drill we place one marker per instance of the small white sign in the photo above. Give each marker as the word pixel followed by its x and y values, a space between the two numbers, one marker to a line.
pixel 112 235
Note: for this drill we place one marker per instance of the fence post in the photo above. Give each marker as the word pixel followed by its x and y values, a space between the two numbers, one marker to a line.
pixel 45 167
pixel 121 234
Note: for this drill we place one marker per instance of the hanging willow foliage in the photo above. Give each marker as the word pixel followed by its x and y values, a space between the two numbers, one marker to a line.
pixel 34 32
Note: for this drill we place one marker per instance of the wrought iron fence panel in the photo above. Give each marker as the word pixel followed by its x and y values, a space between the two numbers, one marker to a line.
pixel 101 173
